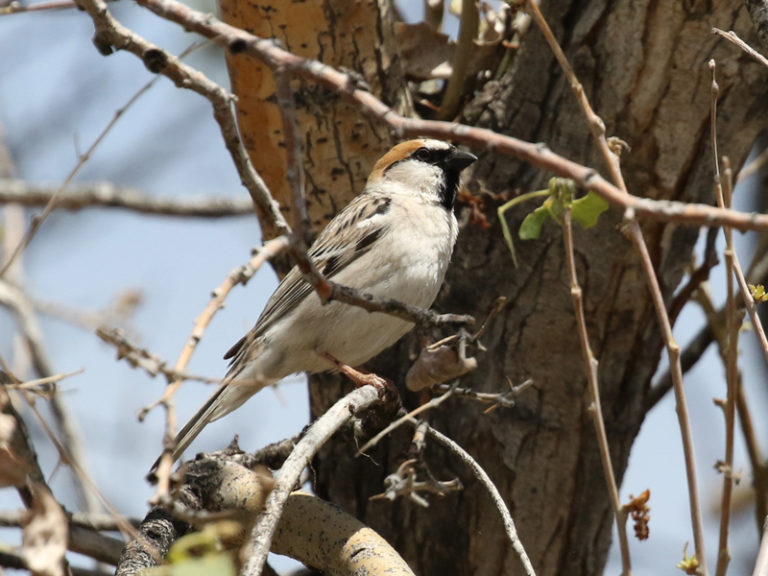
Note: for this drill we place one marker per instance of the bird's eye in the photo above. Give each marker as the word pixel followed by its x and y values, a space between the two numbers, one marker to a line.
pixel 422 154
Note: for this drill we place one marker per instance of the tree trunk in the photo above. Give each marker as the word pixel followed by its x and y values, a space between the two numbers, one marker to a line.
pixel 643 65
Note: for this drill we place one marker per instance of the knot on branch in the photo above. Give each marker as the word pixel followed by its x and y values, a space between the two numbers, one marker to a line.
pixel 103 43
pixel 155 60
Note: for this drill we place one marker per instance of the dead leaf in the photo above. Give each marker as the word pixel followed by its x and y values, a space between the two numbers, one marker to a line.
pixel 44 535
pixel 437 365
pixel 427 54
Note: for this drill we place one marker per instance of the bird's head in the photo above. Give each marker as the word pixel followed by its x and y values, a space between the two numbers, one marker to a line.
pixel 424 166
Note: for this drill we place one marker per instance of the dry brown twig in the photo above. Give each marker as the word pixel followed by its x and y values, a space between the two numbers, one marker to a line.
pixel 539 155
pixel 487 483
pixel 89 543
pixel 110 35
pixel 239 275
pixel 595 407
pixel 18 303
pixel 145 360
pixel 38 219
pixel 81 540
pixel 405 483
pixel 732 37
pixel 597 127
pixel 109 195
pixel 732 324
pixel 433 403
pixel 15 7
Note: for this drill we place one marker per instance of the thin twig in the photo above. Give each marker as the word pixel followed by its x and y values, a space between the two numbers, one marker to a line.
pixel 110 34
pixel 20 306
pixel 100 547
pixel 142 358
pixel 754 166
pixel 482 476
pixel 343 84
pixel 110 195
pixel 44 383
pixel 433 403
pixel 732 323
pixel 756 460
pixel 595 409
pixel 16 562
pixel 239 275
pixel 757 274
pixel 597 127
pixel 697 277
pixel 732 37
pixel 746 294
pixel 254 553
pixel 504 399
pixel 38 219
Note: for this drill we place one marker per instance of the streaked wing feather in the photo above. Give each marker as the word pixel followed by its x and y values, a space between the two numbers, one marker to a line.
pixel 342 242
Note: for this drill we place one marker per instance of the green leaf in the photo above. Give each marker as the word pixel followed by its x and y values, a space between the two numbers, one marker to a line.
pixel 531 226
pixel 586 210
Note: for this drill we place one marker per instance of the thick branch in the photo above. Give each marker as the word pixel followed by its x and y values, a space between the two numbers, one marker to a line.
pixel 261 535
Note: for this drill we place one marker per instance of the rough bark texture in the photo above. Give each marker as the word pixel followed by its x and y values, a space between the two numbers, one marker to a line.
pixel 643 66
pixel 340 146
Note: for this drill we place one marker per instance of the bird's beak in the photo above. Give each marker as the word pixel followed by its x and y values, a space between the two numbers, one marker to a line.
pixel 458 160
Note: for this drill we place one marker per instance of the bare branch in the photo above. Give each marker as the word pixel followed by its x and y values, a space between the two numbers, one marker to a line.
pixel 111 35
pixel 595 409
pixel 732 324
pixel 240 275
pixel 38 220
pixel 255 552
pixel 15 7
pixel 732 37
pixel 480 474
pixel 109 195
pixel 536 154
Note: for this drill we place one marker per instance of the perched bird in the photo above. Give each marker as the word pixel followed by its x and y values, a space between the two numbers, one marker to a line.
pixel 393 240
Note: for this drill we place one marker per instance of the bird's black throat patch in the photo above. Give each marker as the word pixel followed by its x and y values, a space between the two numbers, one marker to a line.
pixel 450 189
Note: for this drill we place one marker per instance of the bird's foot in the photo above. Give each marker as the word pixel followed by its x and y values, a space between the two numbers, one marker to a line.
pixel 384 386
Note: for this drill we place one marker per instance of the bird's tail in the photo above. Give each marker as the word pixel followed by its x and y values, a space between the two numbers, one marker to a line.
pixel 227 397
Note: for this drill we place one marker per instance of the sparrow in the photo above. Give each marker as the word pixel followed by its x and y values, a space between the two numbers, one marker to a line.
pixel 393 240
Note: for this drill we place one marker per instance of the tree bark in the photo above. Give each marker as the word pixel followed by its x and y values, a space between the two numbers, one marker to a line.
pixel 643 66
pixel 340 146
